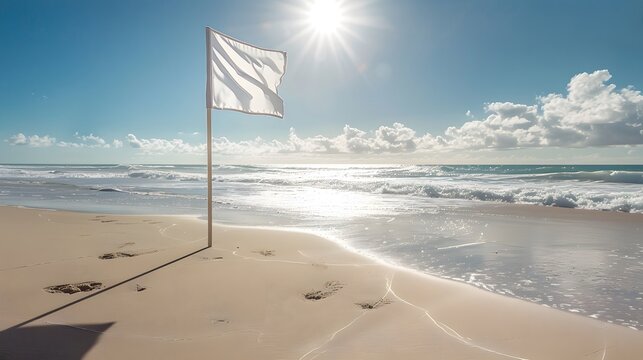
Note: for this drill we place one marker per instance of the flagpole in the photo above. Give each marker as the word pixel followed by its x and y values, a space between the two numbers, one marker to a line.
pixel 209 177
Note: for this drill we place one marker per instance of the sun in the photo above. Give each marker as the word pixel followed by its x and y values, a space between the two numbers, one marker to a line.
pixel 325 16
pixel 324 30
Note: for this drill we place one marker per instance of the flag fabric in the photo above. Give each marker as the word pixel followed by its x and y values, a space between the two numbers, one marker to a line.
pixel 243 77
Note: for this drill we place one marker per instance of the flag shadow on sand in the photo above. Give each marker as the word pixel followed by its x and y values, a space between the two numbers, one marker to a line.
pixel 50 341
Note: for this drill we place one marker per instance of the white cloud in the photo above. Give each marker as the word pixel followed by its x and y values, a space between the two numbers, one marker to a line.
pixel 163 146
pixel 32 141
pixel 592 113
pixel 84 141
pixel 89 141
pixel 18 139
pixel 394 139
pixel 41 141
pixel 133 141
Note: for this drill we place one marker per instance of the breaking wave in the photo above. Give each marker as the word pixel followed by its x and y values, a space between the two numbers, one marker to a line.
pixel 613 188
pixel 165 175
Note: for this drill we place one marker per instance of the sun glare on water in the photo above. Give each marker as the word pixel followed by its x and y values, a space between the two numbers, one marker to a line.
pixel 325 16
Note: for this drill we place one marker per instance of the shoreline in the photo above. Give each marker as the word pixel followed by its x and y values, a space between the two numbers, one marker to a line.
pixel 489 208
pixel 474 203
pixel 259 293
pixel 499 208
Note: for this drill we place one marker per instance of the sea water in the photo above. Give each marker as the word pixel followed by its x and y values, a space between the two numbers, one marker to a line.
pixel 441 220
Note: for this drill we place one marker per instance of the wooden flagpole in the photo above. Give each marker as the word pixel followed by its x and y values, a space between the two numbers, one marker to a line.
pixel 209 177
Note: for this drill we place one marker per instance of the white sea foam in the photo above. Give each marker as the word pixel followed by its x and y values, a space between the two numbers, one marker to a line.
pixel 165 175
pixel 613 189
pixel 461 245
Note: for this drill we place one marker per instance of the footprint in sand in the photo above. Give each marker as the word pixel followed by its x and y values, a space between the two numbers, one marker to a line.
pixel 330 288
pixel 123 254
pixel 219 321
pixel 153 222
pixel 102 219
pixel 370 305
pixel 265 252
pixel 115 255
pixel 211 258
pixel 74 288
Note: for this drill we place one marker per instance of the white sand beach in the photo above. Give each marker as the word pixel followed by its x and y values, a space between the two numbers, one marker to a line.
pixel 256 294
pixel 321 180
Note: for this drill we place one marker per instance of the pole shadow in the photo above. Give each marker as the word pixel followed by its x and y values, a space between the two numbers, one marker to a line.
pixel 50 341
pixel 101 291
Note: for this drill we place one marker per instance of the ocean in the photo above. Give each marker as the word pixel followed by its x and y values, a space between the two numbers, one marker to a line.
pixel 456 222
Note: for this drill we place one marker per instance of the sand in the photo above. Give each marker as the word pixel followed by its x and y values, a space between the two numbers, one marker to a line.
pixel 79 285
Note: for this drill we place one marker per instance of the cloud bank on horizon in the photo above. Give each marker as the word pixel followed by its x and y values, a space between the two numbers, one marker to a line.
pixel 82 141
pixel 593 113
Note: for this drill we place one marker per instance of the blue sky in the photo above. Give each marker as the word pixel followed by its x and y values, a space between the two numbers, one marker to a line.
pixel 108 69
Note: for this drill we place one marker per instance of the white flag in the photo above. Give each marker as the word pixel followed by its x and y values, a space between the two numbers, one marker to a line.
pixel 243 77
